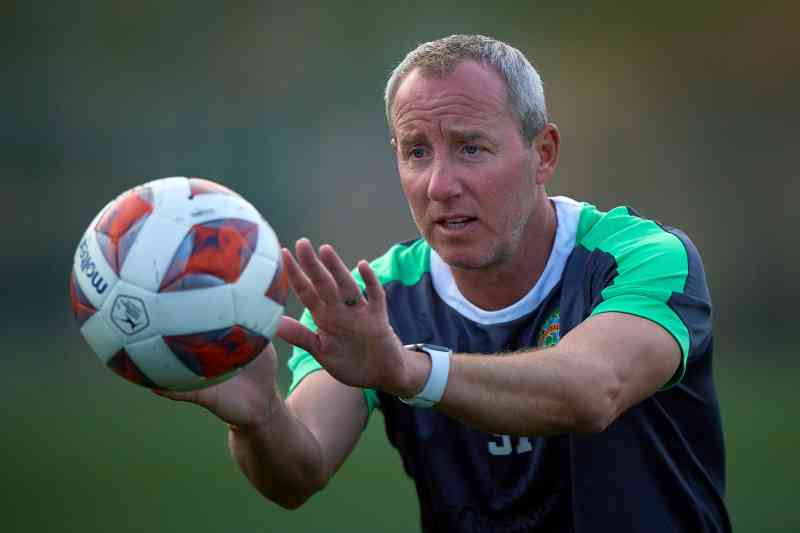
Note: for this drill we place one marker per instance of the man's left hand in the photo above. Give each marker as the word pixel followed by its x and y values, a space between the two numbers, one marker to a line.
pixel 354 341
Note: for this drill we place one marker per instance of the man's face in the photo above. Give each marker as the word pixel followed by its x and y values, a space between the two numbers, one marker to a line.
pixel 469 176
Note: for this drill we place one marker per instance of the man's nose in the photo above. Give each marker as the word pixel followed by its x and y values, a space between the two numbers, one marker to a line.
pixel 444 182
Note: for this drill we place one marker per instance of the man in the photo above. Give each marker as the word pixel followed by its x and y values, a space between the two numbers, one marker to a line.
pixel 564 383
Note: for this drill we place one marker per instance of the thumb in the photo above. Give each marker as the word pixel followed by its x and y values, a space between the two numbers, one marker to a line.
pixel 179 396
pixel 297 334
pixel 207 398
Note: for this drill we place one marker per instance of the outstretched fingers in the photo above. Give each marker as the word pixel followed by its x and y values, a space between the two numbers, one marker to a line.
pixel 327 288
pixel 300 282
pixel 375 293
pixel 349 292
pixel 317 273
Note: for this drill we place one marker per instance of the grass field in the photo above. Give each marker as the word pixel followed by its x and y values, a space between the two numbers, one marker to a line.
pixel 83 452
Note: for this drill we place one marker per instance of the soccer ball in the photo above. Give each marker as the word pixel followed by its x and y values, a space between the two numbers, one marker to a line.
pixel 177 284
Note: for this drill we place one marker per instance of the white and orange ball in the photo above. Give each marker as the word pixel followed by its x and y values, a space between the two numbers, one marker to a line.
pixel 177 284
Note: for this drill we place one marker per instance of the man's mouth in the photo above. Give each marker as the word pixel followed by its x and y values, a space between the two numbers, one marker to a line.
pixel 455 222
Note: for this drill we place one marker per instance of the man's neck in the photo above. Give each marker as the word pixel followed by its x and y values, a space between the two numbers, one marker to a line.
pixel 500 286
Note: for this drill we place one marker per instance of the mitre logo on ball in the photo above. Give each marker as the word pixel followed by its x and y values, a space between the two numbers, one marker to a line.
pixel 178 283
pixel 129 314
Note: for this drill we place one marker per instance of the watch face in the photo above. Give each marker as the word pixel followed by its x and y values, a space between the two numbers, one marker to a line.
pixel 425 347
pixel 436 348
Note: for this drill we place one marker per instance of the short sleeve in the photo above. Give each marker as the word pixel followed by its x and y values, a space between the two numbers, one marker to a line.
pixel 659 276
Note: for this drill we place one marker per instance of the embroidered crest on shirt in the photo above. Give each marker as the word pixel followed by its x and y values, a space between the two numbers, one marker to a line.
pixel 550 333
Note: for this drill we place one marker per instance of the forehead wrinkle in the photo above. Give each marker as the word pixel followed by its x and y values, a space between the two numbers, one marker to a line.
pixel 465 98
pixel 449 100
pixel 428 111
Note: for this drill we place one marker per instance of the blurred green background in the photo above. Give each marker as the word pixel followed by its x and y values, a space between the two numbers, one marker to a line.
pixel 685 110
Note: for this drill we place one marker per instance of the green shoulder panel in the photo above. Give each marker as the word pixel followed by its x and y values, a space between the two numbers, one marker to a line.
pixel 404 263
pixel 652 264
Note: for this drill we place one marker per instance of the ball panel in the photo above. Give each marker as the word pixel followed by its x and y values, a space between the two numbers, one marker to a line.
pixel 171 199
pixel 126 241
pixel 98 334
pixel 253 310
pixel 203 383
pixel 279 287
pixel 271 326
pixel 154 358
pixel 177 203
pixel 151 253
pixel 163 187
pixel 220 248
pixel 268 244
pixel 190 281
pixel 199 186
pixel 178 313
pixel 122 365
pixel 125 215
pixel 213 353
pixel 81 306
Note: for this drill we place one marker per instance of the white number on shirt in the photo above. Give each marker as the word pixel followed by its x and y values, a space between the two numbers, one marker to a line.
pixel 504 446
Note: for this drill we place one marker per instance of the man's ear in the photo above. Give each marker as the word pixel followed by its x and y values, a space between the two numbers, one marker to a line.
pixel 547 144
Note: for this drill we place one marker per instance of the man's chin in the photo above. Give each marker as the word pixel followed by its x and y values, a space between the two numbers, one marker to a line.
pixel 462 260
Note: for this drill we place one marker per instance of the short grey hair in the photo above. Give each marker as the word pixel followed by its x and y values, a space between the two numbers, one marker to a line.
pixel 442 56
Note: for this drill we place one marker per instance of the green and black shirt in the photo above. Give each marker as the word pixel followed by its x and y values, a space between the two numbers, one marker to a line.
pixel 658 467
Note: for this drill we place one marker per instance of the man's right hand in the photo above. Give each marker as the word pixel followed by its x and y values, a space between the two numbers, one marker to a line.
pixel 287 449
pixel 244 401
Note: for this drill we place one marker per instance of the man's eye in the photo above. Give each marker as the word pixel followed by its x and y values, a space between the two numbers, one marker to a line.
pixel 417 153
pixel 471 149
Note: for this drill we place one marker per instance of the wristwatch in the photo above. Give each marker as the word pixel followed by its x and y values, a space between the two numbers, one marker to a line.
pixel 434 387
